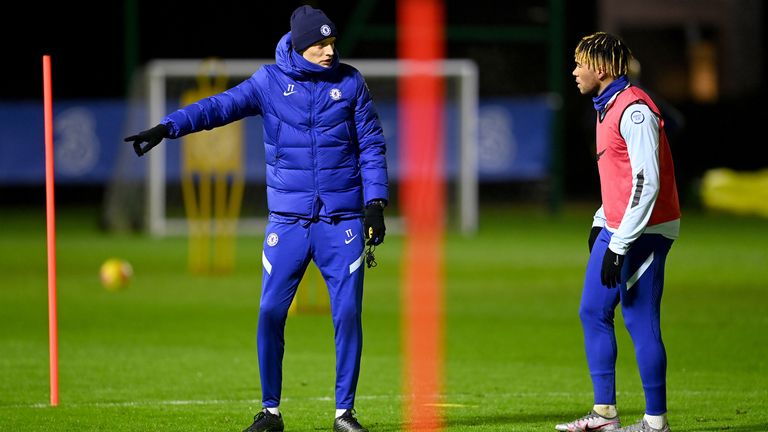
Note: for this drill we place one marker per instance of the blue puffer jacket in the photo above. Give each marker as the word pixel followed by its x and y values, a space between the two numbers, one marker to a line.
pixel 323 142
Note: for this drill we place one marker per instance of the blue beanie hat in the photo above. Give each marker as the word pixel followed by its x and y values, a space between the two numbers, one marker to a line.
pixel 309 26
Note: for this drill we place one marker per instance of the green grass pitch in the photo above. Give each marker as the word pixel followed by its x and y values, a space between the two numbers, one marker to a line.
pixel 176 352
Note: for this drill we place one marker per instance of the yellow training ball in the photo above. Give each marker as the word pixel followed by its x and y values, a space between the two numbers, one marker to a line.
pixel 115 274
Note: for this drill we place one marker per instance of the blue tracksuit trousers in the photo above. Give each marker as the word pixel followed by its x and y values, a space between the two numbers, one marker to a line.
pixel 337 248
pixel 640 295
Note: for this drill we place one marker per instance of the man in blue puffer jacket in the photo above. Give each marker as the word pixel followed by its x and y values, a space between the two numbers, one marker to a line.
pixel 326 167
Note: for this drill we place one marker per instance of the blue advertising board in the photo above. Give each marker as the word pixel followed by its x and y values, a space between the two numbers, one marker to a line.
pixel 513 141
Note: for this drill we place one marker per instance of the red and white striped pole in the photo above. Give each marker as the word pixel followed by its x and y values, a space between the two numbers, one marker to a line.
pixel 50 211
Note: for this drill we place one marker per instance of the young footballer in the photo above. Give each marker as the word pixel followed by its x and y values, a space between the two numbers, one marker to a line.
pixel 631 235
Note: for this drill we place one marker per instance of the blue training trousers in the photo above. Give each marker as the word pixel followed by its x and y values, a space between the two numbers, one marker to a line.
pixel 337 249
pixel 640 294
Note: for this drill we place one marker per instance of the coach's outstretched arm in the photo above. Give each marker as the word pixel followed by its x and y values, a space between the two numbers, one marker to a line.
pixel 150 136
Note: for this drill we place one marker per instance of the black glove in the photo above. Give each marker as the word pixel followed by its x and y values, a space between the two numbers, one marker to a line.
pixel 373 223
pixel 593 233
pixel 150 136
pixel 610 275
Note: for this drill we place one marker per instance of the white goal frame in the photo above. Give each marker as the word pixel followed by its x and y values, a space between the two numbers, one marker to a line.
pixel 158 71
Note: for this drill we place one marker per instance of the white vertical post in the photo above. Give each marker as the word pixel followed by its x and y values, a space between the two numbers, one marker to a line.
pixel 156 173
pixel 468 186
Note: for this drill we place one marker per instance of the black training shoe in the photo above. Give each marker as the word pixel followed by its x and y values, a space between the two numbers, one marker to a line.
pixel 265 421
pixel 347 423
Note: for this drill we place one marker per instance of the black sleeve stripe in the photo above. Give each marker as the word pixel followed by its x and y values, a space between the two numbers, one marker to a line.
pixel 638 189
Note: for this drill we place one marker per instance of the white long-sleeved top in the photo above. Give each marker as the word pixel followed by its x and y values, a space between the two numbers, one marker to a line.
pixel 640 128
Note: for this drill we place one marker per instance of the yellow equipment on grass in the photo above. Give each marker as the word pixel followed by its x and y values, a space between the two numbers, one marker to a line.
pixel 312 295
pixel 743 193
pixel 212 182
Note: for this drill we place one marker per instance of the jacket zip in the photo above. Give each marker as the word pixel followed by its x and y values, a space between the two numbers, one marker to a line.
pixel 314 146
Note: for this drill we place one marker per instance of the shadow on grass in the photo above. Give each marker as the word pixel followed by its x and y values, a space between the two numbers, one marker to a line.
pixel 534 421
pixel 726 428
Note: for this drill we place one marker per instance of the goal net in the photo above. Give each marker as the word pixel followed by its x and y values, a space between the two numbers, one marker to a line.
pixel 148 191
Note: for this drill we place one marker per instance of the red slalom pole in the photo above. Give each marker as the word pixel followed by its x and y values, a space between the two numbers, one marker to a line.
pixel 421 99
pixel 50 212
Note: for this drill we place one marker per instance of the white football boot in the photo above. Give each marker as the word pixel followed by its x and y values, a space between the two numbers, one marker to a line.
pixel 590 422
pixel 643 426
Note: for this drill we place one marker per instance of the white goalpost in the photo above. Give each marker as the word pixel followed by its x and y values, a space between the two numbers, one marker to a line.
pixel 464 73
